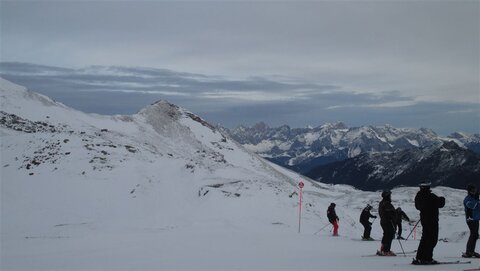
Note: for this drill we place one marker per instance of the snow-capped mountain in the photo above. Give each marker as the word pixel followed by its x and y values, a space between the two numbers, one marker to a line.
pixel 445 164
pixel 471 142
pixel 160 155
pixel 305 148
pixel 163 189
pixel 302 149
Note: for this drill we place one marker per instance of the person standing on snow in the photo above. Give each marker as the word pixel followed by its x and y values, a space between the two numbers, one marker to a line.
pixel 333 218
pixel 472 216
pixel 428 204
pixel 387 221
pixel 367 225
pixel 400 215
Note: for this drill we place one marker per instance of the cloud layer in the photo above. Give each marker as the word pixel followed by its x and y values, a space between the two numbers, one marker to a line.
pixel 426 49
pixel 407 63
pixel 231 102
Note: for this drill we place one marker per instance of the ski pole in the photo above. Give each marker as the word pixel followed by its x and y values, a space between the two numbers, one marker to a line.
pixel 402 247
pixel 322 228
pixel 405 255
pixel 412 230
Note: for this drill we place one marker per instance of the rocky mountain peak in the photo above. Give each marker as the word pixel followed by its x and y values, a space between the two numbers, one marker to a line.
pixel 261 126
pixel 334 126
pixel 450 145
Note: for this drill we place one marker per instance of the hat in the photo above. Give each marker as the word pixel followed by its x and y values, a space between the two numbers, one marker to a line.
pixel 470 187
pixel 333 204
pixel 425 185
pixel 386 193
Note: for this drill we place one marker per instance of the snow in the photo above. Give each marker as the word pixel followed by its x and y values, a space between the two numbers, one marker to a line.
pixel 354 152
pixel 413 142
pixel 215 249
pixel 162 190
pixel 264 146
pixel 310 138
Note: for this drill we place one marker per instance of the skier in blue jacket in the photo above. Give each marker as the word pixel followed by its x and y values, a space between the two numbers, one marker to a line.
pixel 472 215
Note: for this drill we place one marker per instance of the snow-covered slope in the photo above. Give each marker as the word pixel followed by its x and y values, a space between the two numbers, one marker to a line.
pixel 163 189
pixel 162 155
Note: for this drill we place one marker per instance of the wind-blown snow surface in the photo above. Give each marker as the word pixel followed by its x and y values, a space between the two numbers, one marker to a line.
pixel 164 190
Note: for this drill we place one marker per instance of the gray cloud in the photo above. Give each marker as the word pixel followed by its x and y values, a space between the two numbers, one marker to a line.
pixel 125 90
pixel 428 50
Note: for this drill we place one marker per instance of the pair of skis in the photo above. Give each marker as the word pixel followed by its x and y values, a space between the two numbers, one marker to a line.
pixel 440 262
pixel 406 252
pixel 450 262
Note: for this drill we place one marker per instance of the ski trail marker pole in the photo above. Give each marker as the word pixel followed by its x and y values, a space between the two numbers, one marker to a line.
pixel 300 185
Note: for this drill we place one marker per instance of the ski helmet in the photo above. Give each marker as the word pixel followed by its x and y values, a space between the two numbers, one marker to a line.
pixel 425 186
pixel 386 193
pixel 471 188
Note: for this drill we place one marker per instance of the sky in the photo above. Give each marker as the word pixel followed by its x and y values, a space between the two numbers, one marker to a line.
pixel 403 63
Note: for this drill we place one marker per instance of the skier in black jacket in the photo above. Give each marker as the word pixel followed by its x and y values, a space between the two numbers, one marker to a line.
pixel 387 221
pixel 400 215
pixel 333 218
pixel 364 220
pixel 428 204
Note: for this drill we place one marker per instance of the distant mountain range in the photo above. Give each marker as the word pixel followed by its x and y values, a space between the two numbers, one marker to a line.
pixel 445 164
pixel 320 152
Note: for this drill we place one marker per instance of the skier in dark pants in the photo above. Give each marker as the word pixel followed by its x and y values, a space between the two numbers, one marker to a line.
pixel 472 215
pixel 333 218
pixel 364 217
pixel 387 221
pixel 428 204
pixel 400 215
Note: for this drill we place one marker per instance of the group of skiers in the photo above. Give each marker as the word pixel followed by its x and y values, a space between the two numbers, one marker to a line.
pixel 428 204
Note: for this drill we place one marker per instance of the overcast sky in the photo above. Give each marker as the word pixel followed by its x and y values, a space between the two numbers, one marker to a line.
pixel 405 63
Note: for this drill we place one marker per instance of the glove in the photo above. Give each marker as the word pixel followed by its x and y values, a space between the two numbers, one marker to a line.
pixel 370 223
pixel 374 216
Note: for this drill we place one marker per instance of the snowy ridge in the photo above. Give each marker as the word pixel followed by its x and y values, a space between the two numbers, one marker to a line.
pixel 306 148
pixel 163 190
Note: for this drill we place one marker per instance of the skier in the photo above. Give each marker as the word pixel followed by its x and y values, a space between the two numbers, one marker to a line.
pixel 400 215
pixel 364 217
pixel 428 204
pixel 333 218
pixel 387 221
pixel 472 215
